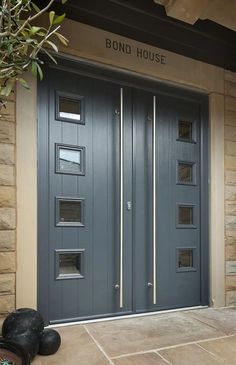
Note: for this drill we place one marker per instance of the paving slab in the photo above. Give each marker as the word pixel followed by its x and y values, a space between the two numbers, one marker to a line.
pixel 149 333
pixel 190 355
pixel 224 348
pixel 141 359
pixel 221 319
pixel 77 348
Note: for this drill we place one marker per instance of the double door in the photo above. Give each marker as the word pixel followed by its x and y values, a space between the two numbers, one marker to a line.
pixel 120 199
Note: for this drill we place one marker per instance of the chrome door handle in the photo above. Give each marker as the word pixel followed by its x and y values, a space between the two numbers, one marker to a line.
pixel 154 198
pixel 121 196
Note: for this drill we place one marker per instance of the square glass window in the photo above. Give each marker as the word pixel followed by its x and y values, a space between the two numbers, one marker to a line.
pixel 69 108
pixel 70 212
pixel 185 215
pixel 185 130
pixel 185 258
pixel 70 160
pixel 185 172
pixel 69 264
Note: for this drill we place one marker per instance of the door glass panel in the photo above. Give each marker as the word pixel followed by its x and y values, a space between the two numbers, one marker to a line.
pixel 70 160
pixel 70 212
pixel 185 173
pixel 185 258
pixel 69 108
pixel 185 130
pixel 186 215
pixel 70 264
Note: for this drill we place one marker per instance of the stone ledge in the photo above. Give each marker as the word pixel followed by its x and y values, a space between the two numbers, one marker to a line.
pixel 230 76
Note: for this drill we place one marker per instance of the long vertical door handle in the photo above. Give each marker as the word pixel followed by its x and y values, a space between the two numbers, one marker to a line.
pixel 154 193
pixel 121 194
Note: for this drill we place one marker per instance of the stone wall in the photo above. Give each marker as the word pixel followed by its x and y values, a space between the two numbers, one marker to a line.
pixel 7 208
pixel 230 186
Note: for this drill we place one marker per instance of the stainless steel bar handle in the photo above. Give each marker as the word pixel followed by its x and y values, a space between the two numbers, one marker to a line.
pixel 154 198
pixel 121 194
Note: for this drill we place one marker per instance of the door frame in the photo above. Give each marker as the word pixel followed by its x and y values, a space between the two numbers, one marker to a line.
pixel 157 88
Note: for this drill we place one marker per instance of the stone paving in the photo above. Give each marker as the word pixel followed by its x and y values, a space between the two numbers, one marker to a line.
pixel 194 337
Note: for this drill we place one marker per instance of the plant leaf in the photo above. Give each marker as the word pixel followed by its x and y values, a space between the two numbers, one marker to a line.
pixel 50 56
pixel 59 19
pixel 53 46
pixel 51 16
pixel 40 72
pixel 35 7
pixel 62 39
pixel 23 82
pixel 34 69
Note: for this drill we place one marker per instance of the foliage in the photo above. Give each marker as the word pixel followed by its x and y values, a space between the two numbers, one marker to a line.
pixel 22 42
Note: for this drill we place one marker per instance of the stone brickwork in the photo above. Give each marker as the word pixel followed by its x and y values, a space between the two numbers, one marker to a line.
pixel 230 186
pixel 7 208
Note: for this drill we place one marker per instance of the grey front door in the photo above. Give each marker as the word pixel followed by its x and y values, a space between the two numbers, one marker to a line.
pixel 120 199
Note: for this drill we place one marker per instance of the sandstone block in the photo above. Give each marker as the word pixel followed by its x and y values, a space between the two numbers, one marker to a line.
pixel 231 283
pixel 7 218
pixel 230 76
pixel 8 113
pixel 230 177
pixel 230 103
pixel 230 133
pixel 230 117
pixel 231 267
pixel 7 196
pixel 230 88
pixel 7 132
pixel 230 148
pixel 230 192
pixel 7 284
pixel 7 304
pixel 7 262
pixel 7 175
pixel 230 162
pixel 1 323
pixel 230 222
pixel 7 154
pixel 230 252
pixel 7 240
pixel 230 208
pixel 231 298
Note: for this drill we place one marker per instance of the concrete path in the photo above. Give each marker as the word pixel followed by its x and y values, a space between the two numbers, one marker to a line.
pixel 196 337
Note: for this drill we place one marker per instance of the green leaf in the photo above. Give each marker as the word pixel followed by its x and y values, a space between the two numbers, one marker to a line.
pixel 23 82
pixel 34 29
pixel 62 39
pixel 34 68
pixel 51 16
pixel 63 1
pixel 35 7
pixel 40 72
pixel 59 19
pixel 50 56
pixel 53 46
